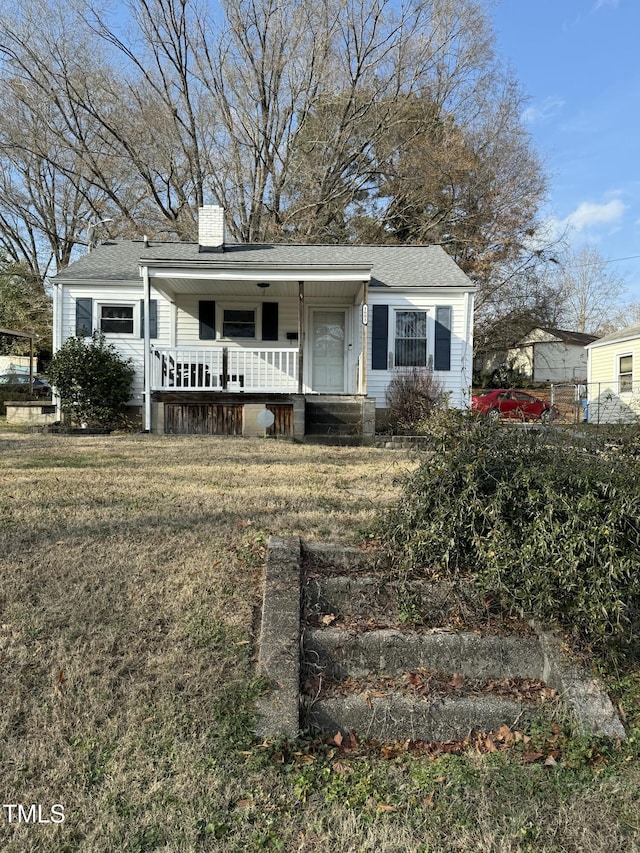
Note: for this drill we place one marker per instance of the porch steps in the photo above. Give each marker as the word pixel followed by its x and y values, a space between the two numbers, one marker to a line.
pixel 333 416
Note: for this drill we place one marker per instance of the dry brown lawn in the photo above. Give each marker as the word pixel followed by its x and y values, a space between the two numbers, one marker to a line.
pixel 130 580
pixel 130 577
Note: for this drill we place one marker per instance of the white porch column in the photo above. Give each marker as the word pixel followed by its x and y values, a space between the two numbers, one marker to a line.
pixel 364 317
pixel 147 349
pixel 300 336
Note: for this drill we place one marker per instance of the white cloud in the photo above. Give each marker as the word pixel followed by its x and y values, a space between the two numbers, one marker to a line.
pixel 602 3
pixel 543 111
pixel 588 214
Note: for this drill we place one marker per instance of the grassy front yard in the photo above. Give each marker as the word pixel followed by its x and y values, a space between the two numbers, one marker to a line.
pixel 130 575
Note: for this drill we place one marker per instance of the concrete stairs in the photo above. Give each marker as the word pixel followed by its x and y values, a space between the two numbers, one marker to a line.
pixel 333 415
pixel 340 653
pixel 363 671
pixel 466 667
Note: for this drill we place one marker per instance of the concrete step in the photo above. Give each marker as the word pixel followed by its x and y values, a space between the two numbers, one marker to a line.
pixel 329 558
pixel 419 689
pixel 333 417
pixel 388 602
pixel 342 653
pixel 395 717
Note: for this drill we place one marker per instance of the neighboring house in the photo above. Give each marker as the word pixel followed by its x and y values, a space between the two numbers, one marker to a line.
pixel 543 355
pixel 551 355
pixel 613 379
pixel 227 338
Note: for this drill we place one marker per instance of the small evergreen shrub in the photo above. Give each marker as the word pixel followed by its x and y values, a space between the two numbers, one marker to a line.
pixel 411 396
pixel 551 530
pixel 93 382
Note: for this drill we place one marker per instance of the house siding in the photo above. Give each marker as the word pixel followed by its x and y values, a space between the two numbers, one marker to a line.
pixel 129 346
pixel 188 326
pixel 543 355
pixel 550 361
pixel 455 382
pixel 606 404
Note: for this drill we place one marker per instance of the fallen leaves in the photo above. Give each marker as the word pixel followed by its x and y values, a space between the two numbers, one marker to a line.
pixel 424 683
pixel 457 682
pixel 547 751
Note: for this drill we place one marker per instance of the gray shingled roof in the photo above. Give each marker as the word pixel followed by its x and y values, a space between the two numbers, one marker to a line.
pixel 628 333
pixel 578 338
pixel 392 266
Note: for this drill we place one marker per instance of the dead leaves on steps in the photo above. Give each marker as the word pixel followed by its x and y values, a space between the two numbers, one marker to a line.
pixel 424 683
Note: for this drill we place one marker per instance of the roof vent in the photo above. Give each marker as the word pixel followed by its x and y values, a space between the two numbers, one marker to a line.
pixel 211 228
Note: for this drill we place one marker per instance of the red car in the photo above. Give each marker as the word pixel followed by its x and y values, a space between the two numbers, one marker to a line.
pixel 510 403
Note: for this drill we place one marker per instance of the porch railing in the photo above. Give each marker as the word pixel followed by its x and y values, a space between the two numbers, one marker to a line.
pixel 224 369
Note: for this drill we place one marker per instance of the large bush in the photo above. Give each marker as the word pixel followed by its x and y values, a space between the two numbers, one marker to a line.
pixel 92 380
pixel 552 530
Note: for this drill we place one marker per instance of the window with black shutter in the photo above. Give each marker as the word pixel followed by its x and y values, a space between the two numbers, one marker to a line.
pixel 207 319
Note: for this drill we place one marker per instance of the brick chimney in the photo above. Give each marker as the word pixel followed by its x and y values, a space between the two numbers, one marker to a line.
pixel 211 228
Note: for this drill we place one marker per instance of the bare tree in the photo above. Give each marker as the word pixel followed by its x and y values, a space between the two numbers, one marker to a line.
pixel 340 120
pixel 592 292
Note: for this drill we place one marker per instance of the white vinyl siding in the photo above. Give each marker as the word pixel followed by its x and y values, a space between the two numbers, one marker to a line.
pixel 188 324
pixel 456 381
pixel 613 389
pixel 128 345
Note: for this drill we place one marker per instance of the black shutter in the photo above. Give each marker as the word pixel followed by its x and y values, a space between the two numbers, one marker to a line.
pixel 269 321
pixel 84 317
pixel 442 350
pixel 379 337
pixel 207 317
pixel 153 318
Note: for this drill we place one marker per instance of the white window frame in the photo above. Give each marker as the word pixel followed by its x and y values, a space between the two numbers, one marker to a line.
pixel 428 356
pixel 135 316
pixel 628 375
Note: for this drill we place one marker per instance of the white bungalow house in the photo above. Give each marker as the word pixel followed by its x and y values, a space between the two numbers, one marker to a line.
pixel 613 381
pixel 277 338
pixel 551 355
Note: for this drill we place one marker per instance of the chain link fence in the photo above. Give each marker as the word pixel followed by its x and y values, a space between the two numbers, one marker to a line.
pixel 596 403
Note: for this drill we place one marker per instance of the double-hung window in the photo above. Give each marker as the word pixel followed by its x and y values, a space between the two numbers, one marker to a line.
pixel 411 339
pixel 625 373
pixel 116 319
pixel 239 323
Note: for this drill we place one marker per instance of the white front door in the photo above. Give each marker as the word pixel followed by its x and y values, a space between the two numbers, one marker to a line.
pixel 328 351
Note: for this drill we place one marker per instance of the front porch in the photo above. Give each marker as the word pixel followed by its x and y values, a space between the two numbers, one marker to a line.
pixel 279 330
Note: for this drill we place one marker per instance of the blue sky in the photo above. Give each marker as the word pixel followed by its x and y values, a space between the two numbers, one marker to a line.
pixel 577 61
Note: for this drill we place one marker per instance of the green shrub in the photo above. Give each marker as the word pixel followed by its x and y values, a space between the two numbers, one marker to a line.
pixel 92 380
pixel 552 530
